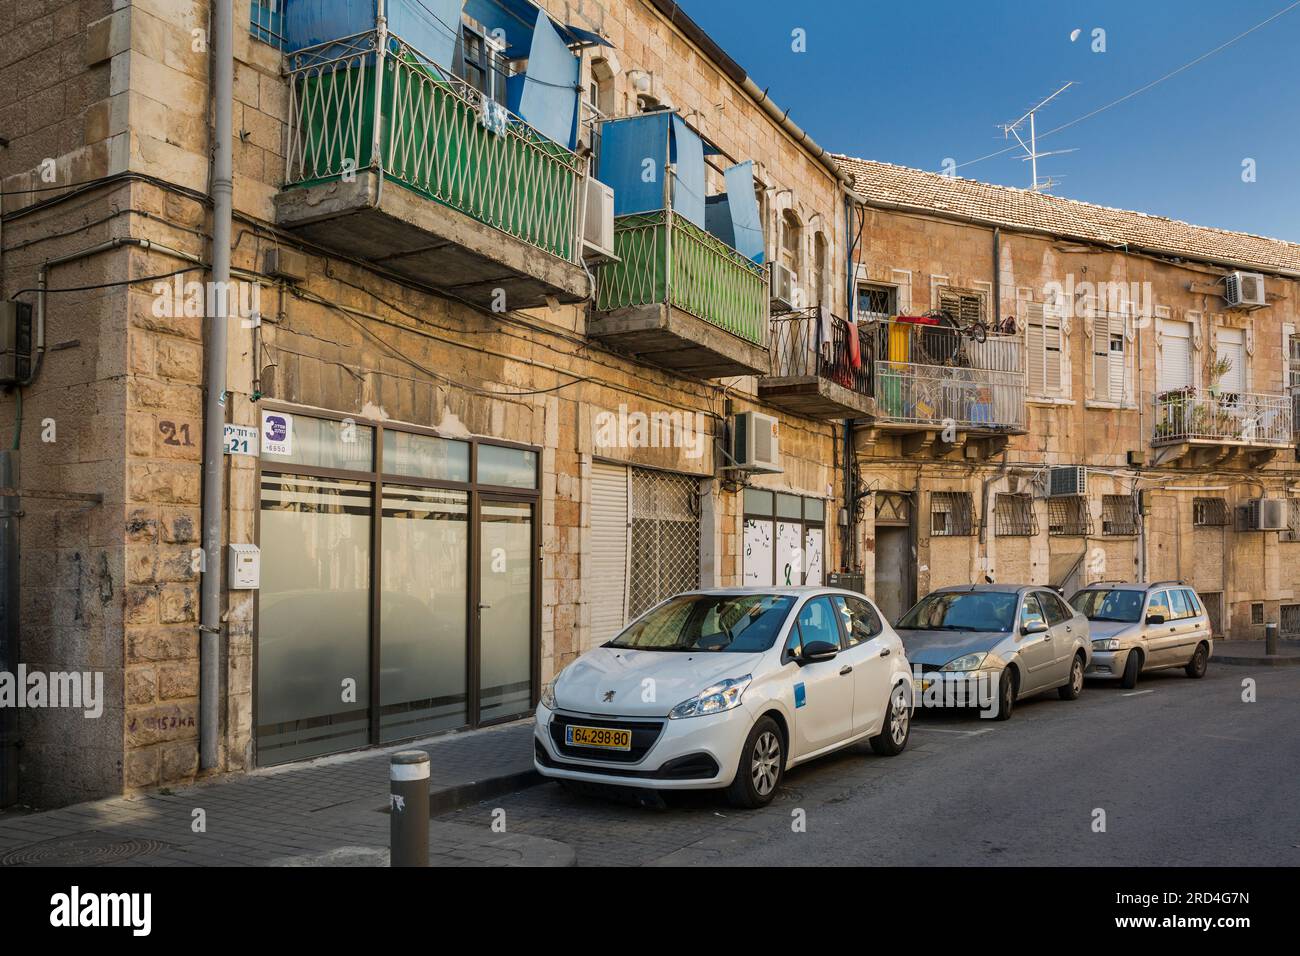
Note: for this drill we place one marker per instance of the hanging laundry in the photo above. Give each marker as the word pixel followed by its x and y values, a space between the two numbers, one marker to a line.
pixel 492 115
pixel 855 347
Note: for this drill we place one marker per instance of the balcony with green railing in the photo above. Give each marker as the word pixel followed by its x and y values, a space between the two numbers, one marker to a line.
pixel 393 158
pixel 681 297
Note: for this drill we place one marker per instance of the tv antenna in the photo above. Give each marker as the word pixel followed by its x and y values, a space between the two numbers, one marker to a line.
pixel 1032 155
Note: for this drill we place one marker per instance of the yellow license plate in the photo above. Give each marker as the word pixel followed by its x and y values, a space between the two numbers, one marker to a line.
pixel 608 738
pixel 919 685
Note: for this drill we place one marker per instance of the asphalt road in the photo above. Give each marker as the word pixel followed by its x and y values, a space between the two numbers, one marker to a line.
pixel 1186 772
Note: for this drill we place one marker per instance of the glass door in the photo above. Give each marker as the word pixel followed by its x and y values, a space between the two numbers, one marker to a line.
pixel 506 602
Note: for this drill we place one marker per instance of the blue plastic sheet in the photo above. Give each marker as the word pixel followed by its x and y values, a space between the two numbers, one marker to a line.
pixel 746 223
pixel 633 152
pixel 717 219
pixel 431 26
pixel 688 158
pixel 547 97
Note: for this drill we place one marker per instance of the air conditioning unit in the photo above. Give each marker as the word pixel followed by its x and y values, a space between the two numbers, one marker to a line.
pixel 755 444
pixel 783 286
pixel 1244 290
pixel 1067 480
pixel 598 229
pixel 1263 514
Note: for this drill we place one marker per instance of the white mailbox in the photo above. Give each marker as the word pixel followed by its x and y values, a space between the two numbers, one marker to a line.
pixel 245 571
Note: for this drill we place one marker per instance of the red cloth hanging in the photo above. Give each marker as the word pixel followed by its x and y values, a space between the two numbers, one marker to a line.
pixel 855 350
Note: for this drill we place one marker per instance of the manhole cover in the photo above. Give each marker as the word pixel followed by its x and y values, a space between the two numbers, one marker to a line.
pixel 97 849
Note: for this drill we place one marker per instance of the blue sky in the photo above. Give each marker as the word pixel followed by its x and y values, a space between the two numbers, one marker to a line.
pixel 915 83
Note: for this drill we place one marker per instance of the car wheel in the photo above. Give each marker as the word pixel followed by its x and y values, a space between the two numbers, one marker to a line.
pixel 762 761
pixel 1132 668
pixel 897 730
pixel 1006 695
pixel 1074 686
pixel 1199 663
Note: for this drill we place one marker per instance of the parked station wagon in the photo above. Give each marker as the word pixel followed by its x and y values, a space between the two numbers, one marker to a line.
pixel 1145 627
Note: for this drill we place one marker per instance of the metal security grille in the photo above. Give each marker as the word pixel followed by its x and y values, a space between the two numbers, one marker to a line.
pixel 1209 512
pixel 875 302
pixel 1118 515
pixel 964 306
pixel 1257 613
pixel 893 508
pixel 1290 624
pixel 1067 516
pixel 951 514
pixel 1013 516
pixel 665 522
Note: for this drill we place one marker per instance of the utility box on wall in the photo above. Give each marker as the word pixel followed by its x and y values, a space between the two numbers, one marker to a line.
pixel 245 570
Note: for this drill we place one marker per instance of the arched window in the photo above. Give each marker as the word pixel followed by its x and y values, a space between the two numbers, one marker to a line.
pixel 791 241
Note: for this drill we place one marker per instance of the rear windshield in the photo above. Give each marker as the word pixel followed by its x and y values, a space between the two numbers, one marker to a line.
pixel 743 623
pixel 1123 607
pixel 962 611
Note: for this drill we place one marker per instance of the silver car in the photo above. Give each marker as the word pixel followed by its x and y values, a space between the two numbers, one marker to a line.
pixel 1020 639
pixel 1145 627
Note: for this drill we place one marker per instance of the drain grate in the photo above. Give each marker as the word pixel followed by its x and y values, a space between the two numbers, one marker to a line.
pixel 98 849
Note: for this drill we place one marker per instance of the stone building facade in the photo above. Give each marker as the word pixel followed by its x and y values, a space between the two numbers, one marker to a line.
pixel 108 163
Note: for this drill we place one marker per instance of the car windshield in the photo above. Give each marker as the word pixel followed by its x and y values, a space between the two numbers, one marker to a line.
pixel 962 611
pixel 743 623
pixel 1124 607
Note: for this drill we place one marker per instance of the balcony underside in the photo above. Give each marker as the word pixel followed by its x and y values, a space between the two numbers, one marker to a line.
pixel 815 396
pixel 1196 453
pixel 669 337
pixel 934 441
pixel 428 242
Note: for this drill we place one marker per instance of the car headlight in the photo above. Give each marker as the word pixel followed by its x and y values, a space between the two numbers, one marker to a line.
pixel 967 662
pixel 714 699
pixel 548 692
pixel 1106 644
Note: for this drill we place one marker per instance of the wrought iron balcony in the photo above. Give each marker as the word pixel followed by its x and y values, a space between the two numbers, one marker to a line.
pixel 1186 416
pixel 936 377
pixel 483 202
pixel 820 367
pixel 682 298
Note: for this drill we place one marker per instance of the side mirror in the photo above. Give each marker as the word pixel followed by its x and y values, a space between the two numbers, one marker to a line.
pixel 1155 619
pixel 818 651
pixel 1034 627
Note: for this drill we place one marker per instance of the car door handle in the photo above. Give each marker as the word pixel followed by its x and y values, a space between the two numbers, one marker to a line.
pixel 885 652
pixel 846 669
pixel 1068 627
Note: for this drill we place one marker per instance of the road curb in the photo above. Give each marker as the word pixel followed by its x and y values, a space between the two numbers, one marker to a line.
pixel 445 799
pixel 1277 660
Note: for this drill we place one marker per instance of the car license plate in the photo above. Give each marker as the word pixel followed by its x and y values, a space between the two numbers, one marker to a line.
pixel 609 738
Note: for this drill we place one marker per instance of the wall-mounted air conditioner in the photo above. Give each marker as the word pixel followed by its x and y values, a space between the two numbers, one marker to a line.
pixel 598 229
pixel 755 444
pixel 1262 514
pixel 783 286
pixel 1244 290
pixel 1067 480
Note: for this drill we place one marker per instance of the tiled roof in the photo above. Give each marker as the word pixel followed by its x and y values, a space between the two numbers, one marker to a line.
pixel 1068 218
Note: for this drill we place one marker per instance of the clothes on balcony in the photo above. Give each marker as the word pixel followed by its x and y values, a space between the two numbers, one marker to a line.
pixel 492 116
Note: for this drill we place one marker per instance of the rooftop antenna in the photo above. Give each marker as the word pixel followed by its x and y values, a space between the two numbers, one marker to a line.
pixel 1031 148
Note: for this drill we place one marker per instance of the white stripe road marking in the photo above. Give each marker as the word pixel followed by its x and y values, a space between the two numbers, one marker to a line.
pixel 1138 693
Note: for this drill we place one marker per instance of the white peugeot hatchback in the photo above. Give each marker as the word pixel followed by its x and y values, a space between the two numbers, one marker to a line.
pixel 726 689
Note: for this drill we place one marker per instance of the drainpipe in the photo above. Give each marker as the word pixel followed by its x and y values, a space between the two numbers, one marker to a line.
pixel 214 407
pixel 997 279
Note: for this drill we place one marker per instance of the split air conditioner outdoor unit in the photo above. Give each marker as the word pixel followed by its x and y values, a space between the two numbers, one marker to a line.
pixel 783 286
pixel 1263 514
pixel 1067 480
pixel 755 444
pixel 598 229
pixel 1244 290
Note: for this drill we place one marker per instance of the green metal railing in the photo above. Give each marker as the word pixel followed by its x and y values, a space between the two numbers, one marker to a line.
pixel 435 135
pixel 666 259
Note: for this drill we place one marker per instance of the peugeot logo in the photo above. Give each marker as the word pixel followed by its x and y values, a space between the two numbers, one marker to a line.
pixel 609 696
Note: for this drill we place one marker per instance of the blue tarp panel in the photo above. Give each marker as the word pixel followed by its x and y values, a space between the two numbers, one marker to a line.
pixel 547 98
pixel 625 145
pixel 515 19
pixel 717 218
pixel 688 157
pixel 431 26
pixel 746 223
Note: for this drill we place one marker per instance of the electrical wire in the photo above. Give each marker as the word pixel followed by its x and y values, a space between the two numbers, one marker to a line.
pixel 1141 89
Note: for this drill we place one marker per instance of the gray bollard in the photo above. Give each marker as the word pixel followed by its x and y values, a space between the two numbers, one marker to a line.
pixel 408 816
pixel 1270 638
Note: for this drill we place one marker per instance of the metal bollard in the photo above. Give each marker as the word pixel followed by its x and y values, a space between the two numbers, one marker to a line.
pixel 408 816
pixel 1270 638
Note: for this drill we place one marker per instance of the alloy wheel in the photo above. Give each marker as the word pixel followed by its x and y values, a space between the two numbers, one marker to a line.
pixel 1076 675
pixel 766 763
pixel 898 720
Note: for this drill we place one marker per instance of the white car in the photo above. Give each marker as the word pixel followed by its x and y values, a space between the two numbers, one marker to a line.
pixel 726 689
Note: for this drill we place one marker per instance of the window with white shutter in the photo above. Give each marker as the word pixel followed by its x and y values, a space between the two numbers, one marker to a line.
pixel 1109 358
pixel 607 571
pixel 1175 365
pixel 1230 347
pixel 1044 340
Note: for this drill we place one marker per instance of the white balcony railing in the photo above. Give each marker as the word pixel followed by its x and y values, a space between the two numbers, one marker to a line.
pixel 1236 418
pixel 940 395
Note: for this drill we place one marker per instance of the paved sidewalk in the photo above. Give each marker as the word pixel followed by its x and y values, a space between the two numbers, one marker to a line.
pixel 326 812
pixel 1251 653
